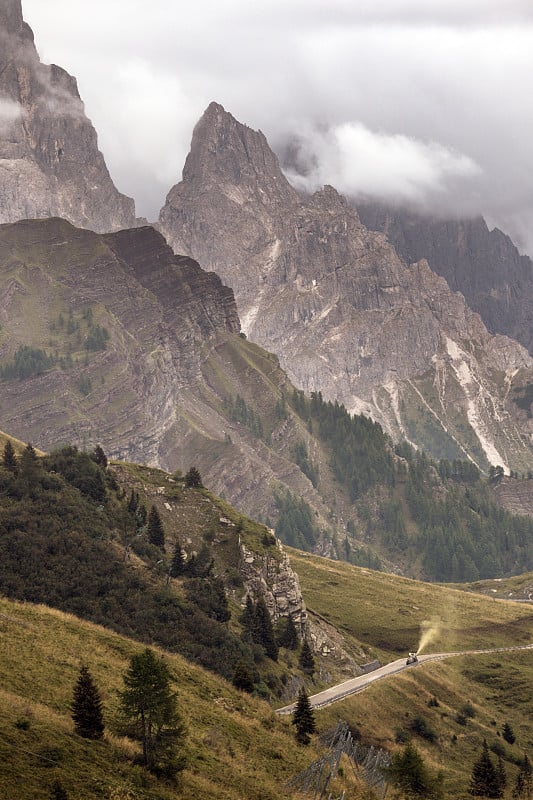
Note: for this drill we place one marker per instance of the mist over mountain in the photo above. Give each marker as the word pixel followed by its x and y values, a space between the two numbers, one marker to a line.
pixel 50 164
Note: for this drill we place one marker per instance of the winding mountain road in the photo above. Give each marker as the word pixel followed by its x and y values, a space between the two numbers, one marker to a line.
pixel 354 685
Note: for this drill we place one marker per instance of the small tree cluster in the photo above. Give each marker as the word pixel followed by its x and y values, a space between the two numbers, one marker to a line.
pixel 487 779
pixel 523 787
pixel 286 633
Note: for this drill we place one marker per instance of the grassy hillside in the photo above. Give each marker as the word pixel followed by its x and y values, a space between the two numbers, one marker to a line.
pixel 236 746
pixel 475 695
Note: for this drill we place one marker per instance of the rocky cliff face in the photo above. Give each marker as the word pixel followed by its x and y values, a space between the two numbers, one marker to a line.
pixel 50 164
pixel 125 323
pixel 483 265
pixel 344 313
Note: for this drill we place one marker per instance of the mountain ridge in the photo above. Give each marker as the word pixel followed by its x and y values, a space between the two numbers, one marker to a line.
pixel 343 312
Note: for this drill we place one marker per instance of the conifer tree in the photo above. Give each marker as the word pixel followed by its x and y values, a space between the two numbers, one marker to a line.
pixel 263 630
pixel 287 634
pixel 99 457
pixel 485 781
pixel 242 677
pixel 177 566
pixel 408 772
pixel 156 532
pixel 307 660
pixel 523 787
pixel 247 619
pixel 148 702
pixel 193 479
pixel 303 717
pixel 58 791
pixel 508 733
pixel 87 707
pixel 10 459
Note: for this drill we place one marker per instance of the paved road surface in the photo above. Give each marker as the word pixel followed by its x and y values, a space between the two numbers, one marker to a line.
pixel 342 690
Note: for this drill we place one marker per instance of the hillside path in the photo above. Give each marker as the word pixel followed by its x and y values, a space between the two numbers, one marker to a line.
pixel 354 685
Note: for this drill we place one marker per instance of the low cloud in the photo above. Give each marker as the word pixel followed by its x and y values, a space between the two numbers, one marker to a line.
pixel 360 162
pixel 434 94
pixel 10 111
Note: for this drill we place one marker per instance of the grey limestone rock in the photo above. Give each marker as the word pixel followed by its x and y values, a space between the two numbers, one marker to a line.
pixel 50 164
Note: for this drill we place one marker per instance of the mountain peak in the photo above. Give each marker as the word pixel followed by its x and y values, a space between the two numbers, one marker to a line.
pixel 51 165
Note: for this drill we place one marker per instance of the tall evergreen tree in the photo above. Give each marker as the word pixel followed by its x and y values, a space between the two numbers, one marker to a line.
pixel 87 707
pixel 287 635
pixel 247 619
pixel 523 787
pixel 303 717
pixel 177 566
pixel 307 660
pixel 264 632
pixel 485 781
pixel 408 772
pixel 508 733
pixel 148 702
pixel 9 460
pixel 156 532
pixel 99 457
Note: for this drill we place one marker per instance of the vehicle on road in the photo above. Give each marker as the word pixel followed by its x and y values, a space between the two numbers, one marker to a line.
pixel 412 658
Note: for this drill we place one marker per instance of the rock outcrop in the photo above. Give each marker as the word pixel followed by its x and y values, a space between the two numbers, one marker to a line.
pixel 50 164
pixel 343 312
pixel 482 264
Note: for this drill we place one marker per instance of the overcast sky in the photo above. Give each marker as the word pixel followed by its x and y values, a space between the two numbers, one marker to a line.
pixel 423 101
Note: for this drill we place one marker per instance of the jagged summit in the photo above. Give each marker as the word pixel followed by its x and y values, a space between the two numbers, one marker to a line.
pixel 50 164
pixel 483 264
pixel 224 148
pixel 344 313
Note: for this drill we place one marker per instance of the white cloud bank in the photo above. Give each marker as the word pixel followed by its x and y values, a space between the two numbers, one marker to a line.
pixel 363 163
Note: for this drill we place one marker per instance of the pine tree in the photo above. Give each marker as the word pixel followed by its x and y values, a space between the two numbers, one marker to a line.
pixel 408 772
pixel 263 630
pixel 58 791
pixel 485 781
pixel 287 634
pixel 156 532
pixel 193 479
pixel 177 567
pixel 307 660
pixel 508 733
pixel 148 702
pixel 523 787
pixel 87 707
pixel 10 459
pixel 247 619
pixel 99 457
pixel 303 717
pixel 242 677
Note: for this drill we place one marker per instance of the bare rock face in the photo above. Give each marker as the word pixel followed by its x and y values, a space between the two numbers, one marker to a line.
pixel 50 164
pixel 482 264
pixel 272 577
pixel 343 312
pixel 127 325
